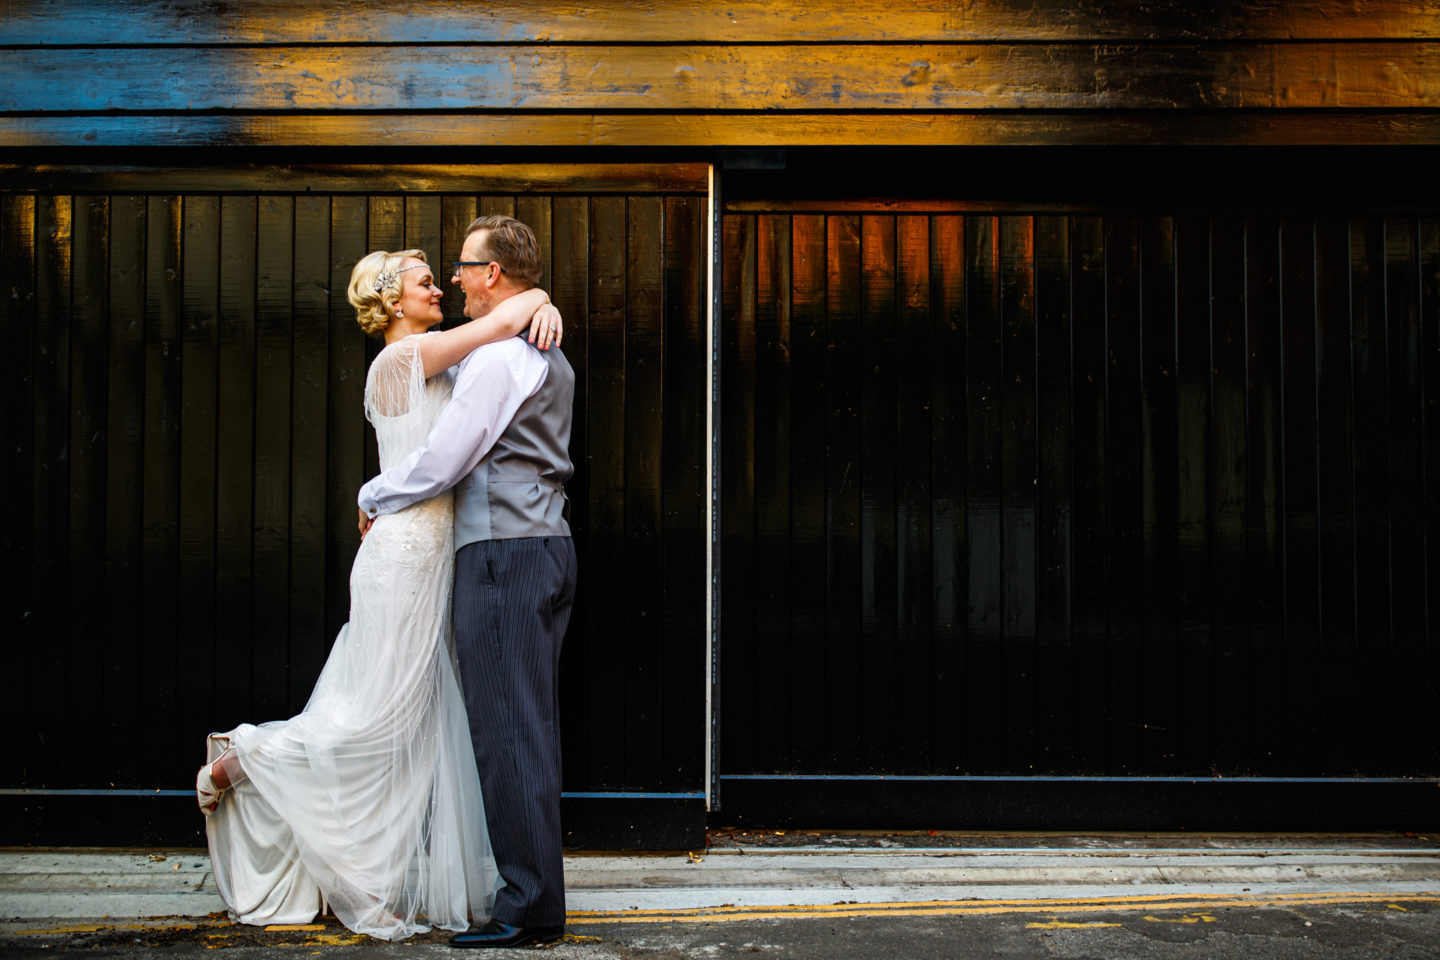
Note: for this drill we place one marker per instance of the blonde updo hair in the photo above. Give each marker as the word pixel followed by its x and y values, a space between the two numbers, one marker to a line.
pixel 373 310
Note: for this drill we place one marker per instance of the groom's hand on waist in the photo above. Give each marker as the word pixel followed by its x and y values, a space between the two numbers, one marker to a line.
pixel 365 522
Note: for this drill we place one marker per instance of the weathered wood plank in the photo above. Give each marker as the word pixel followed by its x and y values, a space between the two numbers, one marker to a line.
pixel 1362 128
pixel 716 21
pixel 365 179
pixel 1266 76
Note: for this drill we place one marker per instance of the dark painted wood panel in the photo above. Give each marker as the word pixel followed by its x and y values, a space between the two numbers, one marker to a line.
pixel 1264 493
pixel 274 285
pixel 948 478
pixel 1090 661
pixel 843 367
pixel 161 482
pixel 1197 427
pixel 644 374
pixel 1124 563
pixel 124 468
pixel 879 659
pixel 50 487
pixel 192 440
pixel 85 652
pixel 1334 654
pixel 809 613
pixel 915 653
pixel 120 22
pixel 234 462
pixel 17 554
pixel 1301 439
pixel 604 455
pixel 200 258
pixel 769 77
pixel 1054 690
pixel 309 442
pixel 1160 497
pixel 738 489
pixel 769 463
pixel 684 449
pixel 1429 252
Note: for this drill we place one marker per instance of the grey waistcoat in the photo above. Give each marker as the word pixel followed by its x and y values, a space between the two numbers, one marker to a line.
pixel 518 489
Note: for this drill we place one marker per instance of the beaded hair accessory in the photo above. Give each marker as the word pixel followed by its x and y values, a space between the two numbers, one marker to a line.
pixel 384 280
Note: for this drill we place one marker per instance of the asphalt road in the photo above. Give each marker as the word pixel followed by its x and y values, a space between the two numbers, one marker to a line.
pixel 1349 926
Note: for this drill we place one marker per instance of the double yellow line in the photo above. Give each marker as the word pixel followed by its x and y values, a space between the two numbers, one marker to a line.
pixel 946 908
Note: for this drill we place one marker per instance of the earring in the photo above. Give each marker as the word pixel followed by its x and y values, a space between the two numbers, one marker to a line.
pixel 399 313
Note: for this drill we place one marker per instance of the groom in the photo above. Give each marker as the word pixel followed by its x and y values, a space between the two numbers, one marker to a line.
pixel 503 443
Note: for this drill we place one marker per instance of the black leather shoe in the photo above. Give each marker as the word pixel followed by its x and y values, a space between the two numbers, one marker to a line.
pixel 496 933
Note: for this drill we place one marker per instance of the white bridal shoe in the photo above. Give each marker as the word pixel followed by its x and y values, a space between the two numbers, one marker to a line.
pixel 206 793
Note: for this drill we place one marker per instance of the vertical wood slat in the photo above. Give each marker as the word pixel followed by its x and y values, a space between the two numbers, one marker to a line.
pixel 684 487
pixel 1160 518
pixel 49 513
pixel 915 655
pixel 346 430
pixel 1194 539
pixel 1264 493
pixel 274 379
pixel 1301 440
pixel 1229 470
pixel 570 292
pixel 1019 480
pixel 235 461
pixel 842 485
pixel 161 480
pixel 1408 706
pixel 1125 662
pixel 89 294
pixel 948 480
pixel 456 213
pixel 1336 493
pixel 200 257
pixel 1090 656
pixel 1054 690
pixel 605 514
pixel 18 324
pixel 644 391
pixel 1429 252
pixel 769 467
pixel 124 468
pixel 810 731
pixel 309 443
pixel 1373 642
pixel 878 732
pixel 742 746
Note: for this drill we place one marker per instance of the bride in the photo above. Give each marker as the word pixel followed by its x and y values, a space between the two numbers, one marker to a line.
pixel 369 800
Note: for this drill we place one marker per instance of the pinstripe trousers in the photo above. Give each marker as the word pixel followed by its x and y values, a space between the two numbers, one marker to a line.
pixel 512 605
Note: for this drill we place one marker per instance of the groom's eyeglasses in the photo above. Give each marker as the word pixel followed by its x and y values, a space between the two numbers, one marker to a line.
pixel 462 264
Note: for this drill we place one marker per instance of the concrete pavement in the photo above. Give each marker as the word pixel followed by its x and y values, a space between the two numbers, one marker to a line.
pixel 784 885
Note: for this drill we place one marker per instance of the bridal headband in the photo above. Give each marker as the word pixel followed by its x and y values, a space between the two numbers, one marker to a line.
pixel 384 280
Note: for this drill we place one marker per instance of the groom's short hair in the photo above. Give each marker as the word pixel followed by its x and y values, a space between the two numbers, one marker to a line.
pixel 512 245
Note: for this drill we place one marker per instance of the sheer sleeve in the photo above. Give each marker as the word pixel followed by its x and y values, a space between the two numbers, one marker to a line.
pixel 395 385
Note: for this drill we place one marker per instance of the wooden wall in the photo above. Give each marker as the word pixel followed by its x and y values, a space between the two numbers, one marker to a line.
pixel 1087 495
pixel 184 441
pixel 712 73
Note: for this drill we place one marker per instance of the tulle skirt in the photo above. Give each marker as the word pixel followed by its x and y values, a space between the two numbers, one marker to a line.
pixel 369 799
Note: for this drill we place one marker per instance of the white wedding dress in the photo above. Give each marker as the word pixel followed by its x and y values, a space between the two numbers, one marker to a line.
pixel 369 799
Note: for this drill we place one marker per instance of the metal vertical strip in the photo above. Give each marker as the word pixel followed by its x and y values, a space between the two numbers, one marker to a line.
pixel 712 558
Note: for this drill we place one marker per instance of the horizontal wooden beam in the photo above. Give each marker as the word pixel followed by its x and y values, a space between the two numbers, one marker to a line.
pixel 422 132
pixel 128 22
pixel 474 179
pixel 1356 76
